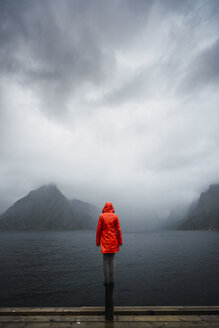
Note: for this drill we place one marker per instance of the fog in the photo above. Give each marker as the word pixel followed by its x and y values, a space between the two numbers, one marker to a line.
pixel 110 100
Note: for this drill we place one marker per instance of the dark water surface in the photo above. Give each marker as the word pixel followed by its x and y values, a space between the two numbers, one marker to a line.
pixel 152 268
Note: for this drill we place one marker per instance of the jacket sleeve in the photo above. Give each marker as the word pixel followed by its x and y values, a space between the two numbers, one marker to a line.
pixel 119 233
pixel 99 230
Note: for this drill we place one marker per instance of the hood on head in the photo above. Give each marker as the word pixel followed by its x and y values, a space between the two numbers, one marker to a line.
pixel 108 208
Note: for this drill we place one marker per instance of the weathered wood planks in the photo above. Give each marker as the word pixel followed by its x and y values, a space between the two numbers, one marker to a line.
pixel 124 317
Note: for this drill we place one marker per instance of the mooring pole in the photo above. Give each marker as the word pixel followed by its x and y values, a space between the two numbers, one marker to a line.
pixel 109 302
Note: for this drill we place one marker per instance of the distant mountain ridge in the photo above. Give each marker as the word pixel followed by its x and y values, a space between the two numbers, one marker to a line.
pixel 203 214
pixel 46 208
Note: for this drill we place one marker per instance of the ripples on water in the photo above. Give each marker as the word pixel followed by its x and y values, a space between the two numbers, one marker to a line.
pixel 152 268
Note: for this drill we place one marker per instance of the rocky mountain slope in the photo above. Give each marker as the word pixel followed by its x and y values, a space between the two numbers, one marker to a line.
pixel 46 208
pixel 202 214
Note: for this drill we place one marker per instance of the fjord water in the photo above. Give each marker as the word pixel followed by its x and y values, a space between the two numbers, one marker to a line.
pixel 43 268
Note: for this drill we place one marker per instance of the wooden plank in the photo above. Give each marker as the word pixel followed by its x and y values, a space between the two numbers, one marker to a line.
pixel 116 324
pixel 83 325
pixel 94 317
pixel 62 325
pixel 119 310
pixel 98 318
pixel 179 324
pixel 93 308
pixel 38 311
pixel 159 318
pixel 48 318
pixel 167 310
pixel 111 325
pixel 211 317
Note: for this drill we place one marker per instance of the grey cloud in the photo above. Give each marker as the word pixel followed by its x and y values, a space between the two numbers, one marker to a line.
pixel 203 71
pixel 146 83
pixel 55 48
pixel 136 87
pixel 47 46
pixel 89 99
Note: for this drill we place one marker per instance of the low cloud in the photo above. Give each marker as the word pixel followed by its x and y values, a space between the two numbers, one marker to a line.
pixel 203 71
pixel 113 101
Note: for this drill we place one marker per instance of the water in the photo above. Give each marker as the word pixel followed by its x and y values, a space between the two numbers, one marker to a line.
pixel 152 268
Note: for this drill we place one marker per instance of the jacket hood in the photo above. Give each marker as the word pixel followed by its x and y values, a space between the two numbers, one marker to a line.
pixel 108 208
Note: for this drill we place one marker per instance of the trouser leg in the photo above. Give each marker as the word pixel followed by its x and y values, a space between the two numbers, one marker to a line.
pixel 112 267
pixel 106 268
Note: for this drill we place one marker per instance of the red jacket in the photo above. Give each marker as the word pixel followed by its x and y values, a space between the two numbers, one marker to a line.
pixel 108 233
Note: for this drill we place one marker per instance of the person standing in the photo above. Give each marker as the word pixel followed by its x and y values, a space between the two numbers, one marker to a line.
pixel 109 236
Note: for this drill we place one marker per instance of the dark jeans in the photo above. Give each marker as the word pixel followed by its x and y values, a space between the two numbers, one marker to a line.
pixel 109 267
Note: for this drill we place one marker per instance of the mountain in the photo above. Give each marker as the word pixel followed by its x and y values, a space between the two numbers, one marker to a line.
pixel 204 213
pixel 87 213
pixel 175 217
pixel 46 208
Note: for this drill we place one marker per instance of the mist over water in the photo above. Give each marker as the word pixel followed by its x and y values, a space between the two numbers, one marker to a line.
pixel 152 268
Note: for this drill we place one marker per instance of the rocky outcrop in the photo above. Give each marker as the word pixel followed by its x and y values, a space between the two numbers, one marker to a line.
pixel 46 208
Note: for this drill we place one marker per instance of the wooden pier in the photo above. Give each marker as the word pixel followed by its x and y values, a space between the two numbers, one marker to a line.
pixel 123 317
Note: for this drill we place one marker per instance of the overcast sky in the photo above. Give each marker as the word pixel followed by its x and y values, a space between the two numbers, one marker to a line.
pixel 111 100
